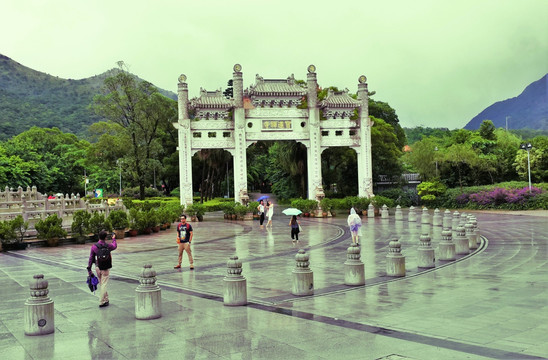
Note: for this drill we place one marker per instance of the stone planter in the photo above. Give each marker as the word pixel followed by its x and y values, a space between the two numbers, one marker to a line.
pixel 120 233
pixel 156 229
pixel 147 231
pixel 132 232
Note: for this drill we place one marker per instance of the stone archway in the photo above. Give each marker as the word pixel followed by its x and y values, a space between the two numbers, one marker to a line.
pixel 272 109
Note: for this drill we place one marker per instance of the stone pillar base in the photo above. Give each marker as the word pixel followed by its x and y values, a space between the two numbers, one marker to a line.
pixel 425 257
pixel 148 303
pixel 354 274
pixel 461 246
pixel 39 318
pixel 235 291
pixel 395 265
pixel 446 251
pixel 303 283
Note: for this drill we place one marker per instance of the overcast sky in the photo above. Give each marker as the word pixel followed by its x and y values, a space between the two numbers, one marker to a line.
pixel 437 64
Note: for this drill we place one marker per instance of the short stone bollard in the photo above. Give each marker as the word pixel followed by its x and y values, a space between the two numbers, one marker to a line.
pixel 384 212
pixel 395 261
pixel 437 220
pixel 370 211
pixel 354 270
pixel 39 312
pixel 425 221
pixel 303 278
pixel 412 217
pixel 398 215
pixel 455 220
pixel 461 242
pixel 447 247
pixel 476 230
pixel 469 230
pixel 463 218
pixel 425 253
pixel 235 290
pixel 447 223
pixel 148 295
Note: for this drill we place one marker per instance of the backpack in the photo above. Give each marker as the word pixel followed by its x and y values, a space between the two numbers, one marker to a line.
pixel 104 260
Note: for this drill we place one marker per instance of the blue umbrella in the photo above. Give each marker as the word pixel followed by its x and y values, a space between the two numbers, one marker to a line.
pixel 262 197
pixel 292 211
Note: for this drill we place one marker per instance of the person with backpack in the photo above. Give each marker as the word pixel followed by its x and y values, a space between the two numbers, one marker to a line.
pixel 101 257
pixel 184 238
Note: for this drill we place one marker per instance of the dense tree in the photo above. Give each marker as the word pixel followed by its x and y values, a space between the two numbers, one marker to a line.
pixel 385 149
pixel 382 110
pixel 487 130
pixel 142 112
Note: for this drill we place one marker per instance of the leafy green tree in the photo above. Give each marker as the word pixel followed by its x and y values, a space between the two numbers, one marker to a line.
pixel 142 112
pixel 382 110
pixel 385 149
pixel 47 158
pixel 423 157
pixel 487 130
pixel 461 158
pixel 538 161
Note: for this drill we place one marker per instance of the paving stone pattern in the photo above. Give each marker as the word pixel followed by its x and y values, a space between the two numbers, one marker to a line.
pixel 491 303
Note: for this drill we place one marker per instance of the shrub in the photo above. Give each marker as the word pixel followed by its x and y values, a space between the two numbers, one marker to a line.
pixel 378 201
pixel 50 228
pixel 98 222
pixel 118 219
pixel 13 231
pixel 80 223
pixel 240 209
pixel 253 207
pixel 404 198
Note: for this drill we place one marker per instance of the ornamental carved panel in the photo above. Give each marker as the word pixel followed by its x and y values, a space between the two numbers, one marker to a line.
pixel 276 113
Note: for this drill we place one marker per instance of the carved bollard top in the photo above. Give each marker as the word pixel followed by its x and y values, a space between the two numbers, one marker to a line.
pixel 353 252
pixel 446 235
pixel 302 260
pixel 148 276
pixel 234 266
pixel 394 246
pixel 461 231
pixel 38 286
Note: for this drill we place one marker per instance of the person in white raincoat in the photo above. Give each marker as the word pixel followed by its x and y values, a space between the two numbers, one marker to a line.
pixel 355 224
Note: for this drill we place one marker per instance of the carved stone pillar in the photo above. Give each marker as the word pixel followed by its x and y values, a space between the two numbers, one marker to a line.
pixel 148 295
pixel 354 271
pixel 184 146
pixel 303 277
pixel 235 285
pixel 39 312
pixel 395 261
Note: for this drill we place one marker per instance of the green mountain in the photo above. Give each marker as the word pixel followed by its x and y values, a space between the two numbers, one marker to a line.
pixel 32 98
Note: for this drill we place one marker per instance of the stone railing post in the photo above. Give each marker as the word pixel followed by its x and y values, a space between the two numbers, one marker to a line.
pixel 447 247
pixel 412 217
pixel 235 285
pixel 395 261
pixel 39 312
pixel 425 252
pixel 398 215
pixel 303 277
pixel 148 295
pixel 455 220
pixel 461 242
pixel 384 212
pixel 476 230
pixel 354 270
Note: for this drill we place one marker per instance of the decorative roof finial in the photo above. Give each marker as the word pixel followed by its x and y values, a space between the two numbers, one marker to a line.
pixel 237 67
pixel 311 68
pixel 182 78
pixel 362 79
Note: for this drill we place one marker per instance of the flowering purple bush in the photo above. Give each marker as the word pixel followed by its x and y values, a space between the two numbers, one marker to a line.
pixel 500 196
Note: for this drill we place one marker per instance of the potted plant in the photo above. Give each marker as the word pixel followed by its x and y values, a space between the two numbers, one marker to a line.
pixel 326 205
pixel 240 211
pixel 196 211
pixel 12 233
pixel 98 222
pixel 50 229
pixel 154 220
pixel 119 222
pixel 80 226
pixel 253 207
pixel 133 216
pixel 361 204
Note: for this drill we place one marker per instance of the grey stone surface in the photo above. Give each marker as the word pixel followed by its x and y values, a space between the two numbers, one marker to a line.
pixel 428 314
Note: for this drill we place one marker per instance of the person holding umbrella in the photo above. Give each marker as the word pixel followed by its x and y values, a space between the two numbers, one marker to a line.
pixel 295 228
pixel 355 224
pixel 260 208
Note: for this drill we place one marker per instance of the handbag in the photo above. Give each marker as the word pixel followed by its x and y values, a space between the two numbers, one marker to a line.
pixel 300 228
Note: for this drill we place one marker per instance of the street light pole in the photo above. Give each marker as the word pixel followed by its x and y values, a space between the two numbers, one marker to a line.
pixel 120 167
pixel 528 147
pixel 436 149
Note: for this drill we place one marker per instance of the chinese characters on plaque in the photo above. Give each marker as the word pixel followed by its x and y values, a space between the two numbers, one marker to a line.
pixel 276 124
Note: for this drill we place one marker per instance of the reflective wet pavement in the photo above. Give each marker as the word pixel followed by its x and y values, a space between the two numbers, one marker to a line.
pixel 489 304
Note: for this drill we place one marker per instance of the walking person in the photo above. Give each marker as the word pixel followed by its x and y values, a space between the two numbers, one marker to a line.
pixel 295 228
pixel 184 238
pixel 269 213
pixel 355 224
pixel 260 208
pixel 100 256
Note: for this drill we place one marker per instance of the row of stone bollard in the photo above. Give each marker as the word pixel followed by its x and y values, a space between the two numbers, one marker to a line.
pixel 39 307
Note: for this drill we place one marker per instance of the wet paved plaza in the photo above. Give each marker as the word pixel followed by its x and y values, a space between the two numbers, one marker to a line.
pixel 492 303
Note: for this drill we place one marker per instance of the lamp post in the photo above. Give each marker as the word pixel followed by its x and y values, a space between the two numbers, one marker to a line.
pixel 119 163
pixel 528 147
pixel 436 149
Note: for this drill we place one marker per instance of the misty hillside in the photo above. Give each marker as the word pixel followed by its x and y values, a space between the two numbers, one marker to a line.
pixel 32 98
pixel 528 110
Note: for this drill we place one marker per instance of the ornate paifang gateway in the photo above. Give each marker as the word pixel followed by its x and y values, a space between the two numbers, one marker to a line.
pixel 271 110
